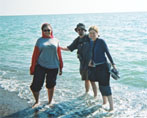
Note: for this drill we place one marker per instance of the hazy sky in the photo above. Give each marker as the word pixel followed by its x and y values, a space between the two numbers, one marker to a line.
pixel 21 7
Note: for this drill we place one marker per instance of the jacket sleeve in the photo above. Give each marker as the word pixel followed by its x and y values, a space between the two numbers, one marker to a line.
pixel 35 56
pixel 73 45
pixel 60 58
pixel 107 52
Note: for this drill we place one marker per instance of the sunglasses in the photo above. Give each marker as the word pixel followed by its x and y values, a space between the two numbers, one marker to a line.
pixel 80 29
pixel 46 30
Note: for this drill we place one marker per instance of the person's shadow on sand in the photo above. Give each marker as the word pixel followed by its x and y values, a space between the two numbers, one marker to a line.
pixel 74 108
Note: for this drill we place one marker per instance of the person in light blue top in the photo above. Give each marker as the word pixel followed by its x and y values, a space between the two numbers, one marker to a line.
pixel 98 67
pixel 46 62
pixel 48 57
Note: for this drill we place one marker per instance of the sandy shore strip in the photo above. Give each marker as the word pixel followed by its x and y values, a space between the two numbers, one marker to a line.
pixel 12 106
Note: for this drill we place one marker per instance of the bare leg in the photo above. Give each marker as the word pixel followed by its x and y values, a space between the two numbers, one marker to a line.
pixel 87 85
pixel 110 102
pixel 36 96
pixel 104 100
pixel 50 94
pixel 94 87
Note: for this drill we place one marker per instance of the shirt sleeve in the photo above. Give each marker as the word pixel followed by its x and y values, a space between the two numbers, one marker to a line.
pixel 73 45
pixel 35 57
pixel 60 57
pixel 107 52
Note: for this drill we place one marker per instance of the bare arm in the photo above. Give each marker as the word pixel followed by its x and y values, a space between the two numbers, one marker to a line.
pixel 65 49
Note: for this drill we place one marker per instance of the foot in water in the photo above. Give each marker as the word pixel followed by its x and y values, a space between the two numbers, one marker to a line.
pixel 50 104
pixel 105 107
pixel 85 95
pixel 36 104
pixel 95 98
pixel 111 110
pixel 110 113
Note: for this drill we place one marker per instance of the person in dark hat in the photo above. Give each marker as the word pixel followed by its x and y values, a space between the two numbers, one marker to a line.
pixel 81 26
pixel 82 44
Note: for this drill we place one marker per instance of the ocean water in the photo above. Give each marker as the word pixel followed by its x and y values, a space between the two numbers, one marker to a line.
pixel 126 37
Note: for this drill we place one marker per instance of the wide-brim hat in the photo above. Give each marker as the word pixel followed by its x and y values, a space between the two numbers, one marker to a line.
pixel 81 26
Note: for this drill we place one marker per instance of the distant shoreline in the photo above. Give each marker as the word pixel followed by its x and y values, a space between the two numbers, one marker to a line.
pixel 73 13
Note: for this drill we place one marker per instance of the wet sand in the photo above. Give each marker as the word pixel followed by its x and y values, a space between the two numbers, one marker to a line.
pixel 11 106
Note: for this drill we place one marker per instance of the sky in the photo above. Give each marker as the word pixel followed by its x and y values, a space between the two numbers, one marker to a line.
pixel 33 7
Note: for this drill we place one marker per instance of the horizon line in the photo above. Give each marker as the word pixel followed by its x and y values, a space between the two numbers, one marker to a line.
pixel 72 13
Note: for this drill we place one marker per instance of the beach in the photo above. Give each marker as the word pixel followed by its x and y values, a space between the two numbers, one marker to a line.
pixel 11 106
pixel 126 37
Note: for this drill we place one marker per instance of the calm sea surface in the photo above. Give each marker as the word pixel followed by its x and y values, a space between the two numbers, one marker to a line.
pixel 126 37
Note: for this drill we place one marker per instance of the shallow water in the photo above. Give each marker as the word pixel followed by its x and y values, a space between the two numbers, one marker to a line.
pixel 126 36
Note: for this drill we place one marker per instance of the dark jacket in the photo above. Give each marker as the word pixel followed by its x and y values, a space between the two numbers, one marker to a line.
pixel 83 50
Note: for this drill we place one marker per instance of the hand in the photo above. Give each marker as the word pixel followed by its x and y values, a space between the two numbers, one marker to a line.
pixel 114 66
pixel 31 73
pixel 65 49
pixel 32 69
pixel 61 48
pixel 60 73
pixel 90 65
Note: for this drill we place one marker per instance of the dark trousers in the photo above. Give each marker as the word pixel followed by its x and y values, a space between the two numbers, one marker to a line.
pixel 39 76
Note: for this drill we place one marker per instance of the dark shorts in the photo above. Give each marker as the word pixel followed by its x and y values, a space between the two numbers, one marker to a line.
pixel 101 75
pixel 105 90
pixel 84 74
pixel 39 76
